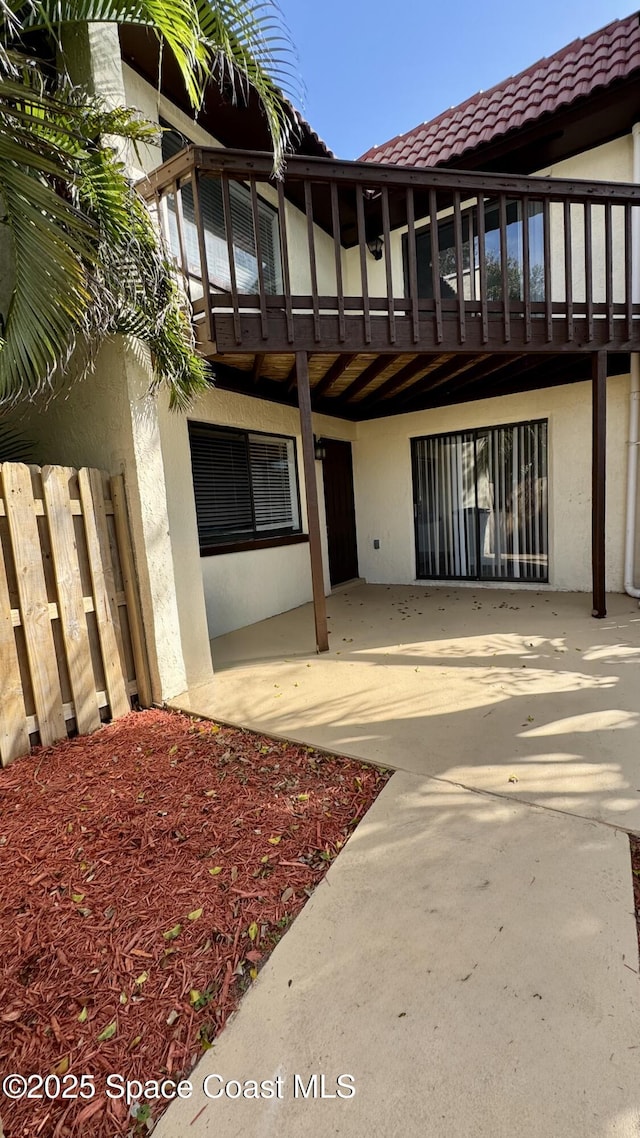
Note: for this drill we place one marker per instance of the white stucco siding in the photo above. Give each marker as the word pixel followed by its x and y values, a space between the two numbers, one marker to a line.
pixel 242 587
pixel 384 489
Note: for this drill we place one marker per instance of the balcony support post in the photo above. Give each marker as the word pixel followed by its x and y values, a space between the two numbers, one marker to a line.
pixel 313 517
pixel 598 473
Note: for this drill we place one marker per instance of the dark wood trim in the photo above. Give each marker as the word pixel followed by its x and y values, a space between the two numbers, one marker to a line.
pixel 598 493
pixel 243 164
pixel 253 543
pixel 355 343
pixel 338 368
pixel 311 489
pixel 418 367
pixel 257 367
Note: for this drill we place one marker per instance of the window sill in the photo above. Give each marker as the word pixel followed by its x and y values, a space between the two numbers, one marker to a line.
pixel 253 543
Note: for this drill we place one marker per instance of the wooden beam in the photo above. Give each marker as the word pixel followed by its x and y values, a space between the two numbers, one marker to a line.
pixel 257 367
pixel 419 367
pixel 313 517
pixel 598 481
pixel 337 369
pixel 366 377
pixel 292 378
pixel 444 373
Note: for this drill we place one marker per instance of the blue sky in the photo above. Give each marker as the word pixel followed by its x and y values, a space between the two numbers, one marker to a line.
pixel 373 69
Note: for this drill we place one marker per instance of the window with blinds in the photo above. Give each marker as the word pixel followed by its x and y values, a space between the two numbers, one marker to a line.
pixel 244 238
pixel 480 504
pixel 245 484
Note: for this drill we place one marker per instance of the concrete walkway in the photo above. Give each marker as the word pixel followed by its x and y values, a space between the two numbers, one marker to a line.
pixel 470 960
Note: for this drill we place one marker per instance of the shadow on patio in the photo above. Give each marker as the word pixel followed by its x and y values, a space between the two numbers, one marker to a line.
pixel 517 693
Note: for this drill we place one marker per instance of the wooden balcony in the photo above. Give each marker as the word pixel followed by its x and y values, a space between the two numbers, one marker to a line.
pixel 365 290
pixel 400 284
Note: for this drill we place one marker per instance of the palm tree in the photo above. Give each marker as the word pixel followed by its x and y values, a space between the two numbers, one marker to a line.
pixel 85 256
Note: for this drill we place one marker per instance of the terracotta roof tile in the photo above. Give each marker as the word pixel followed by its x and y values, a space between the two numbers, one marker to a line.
pixel 577 70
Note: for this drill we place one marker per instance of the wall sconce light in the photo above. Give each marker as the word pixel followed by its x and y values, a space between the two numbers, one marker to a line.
pixel 375 247
pixel 319 449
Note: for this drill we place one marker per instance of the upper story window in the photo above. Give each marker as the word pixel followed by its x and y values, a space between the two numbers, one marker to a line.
pixel 244 240
pixel 246 487
pixel 471 254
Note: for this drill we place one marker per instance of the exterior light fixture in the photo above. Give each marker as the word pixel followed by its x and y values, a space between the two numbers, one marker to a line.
pixel 319 449
pixel 375 247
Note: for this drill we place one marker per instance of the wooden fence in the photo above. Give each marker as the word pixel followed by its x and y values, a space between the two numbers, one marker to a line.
pixel 72 649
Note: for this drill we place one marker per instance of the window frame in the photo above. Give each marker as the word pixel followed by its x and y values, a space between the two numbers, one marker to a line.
pixel 469 218
pixel 475 432
pixel 257 539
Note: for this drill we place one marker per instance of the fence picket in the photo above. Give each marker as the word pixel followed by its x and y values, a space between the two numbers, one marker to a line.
pixel 73 621
pixel 100 568
pixel 34 603
pixel 14 737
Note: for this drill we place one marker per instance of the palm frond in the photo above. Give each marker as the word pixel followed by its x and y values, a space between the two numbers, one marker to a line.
pixel 86 257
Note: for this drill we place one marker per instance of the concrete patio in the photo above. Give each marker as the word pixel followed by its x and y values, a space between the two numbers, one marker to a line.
pixel 515 692
pixel 471 957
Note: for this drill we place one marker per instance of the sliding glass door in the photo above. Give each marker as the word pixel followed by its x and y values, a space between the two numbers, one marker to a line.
pixel 480 504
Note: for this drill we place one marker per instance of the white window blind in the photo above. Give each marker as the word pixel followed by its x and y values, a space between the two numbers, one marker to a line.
pixel 245 485
pixel 244 240
pixel 275 498
pixel 480 503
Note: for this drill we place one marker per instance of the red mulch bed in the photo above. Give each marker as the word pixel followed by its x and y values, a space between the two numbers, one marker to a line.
pixel 635 867
pixel 146 872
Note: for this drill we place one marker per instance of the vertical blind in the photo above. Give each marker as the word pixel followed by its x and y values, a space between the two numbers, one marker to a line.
pixel 480 504
pixel 244 240
pixel 245 484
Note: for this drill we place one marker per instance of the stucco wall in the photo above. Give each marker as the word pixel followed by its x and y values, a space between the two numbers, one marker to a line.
pixel 383 480
pixel 240 588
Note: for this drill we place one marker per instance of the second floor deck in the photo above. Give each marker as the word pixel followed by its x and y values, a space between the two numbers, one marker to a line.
pixel 351 257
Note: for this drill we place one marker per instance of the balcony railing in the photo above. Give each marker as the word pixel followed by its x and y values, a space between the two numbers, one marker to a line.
pixel 355 257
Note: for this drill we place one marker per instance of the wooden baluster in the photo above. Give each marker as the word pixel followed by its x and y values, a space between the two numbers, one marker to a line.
pixel 526 270
pixel 435 262
pixel 459 254
pixel 548 298
pixel 628 267
pixel 482 262
pixel 386 237
pixel 228 227
pixel 308 209
pixel 202 249
pixel 182 245
pixel 504 267
pixel 413 264
pixel 608 261
pixel 588 267
pixel 568 269
pixel 362 244
pixel 284 257
pixel 337 248
pixel 264 323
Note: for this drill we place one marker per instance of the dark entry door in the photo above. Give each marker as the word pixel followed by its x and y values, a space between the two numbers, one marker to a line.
pixel 340 511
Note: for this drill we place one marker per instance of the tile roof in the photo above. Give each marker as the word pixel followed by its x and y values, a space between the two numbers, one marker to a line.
pixel 576 71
